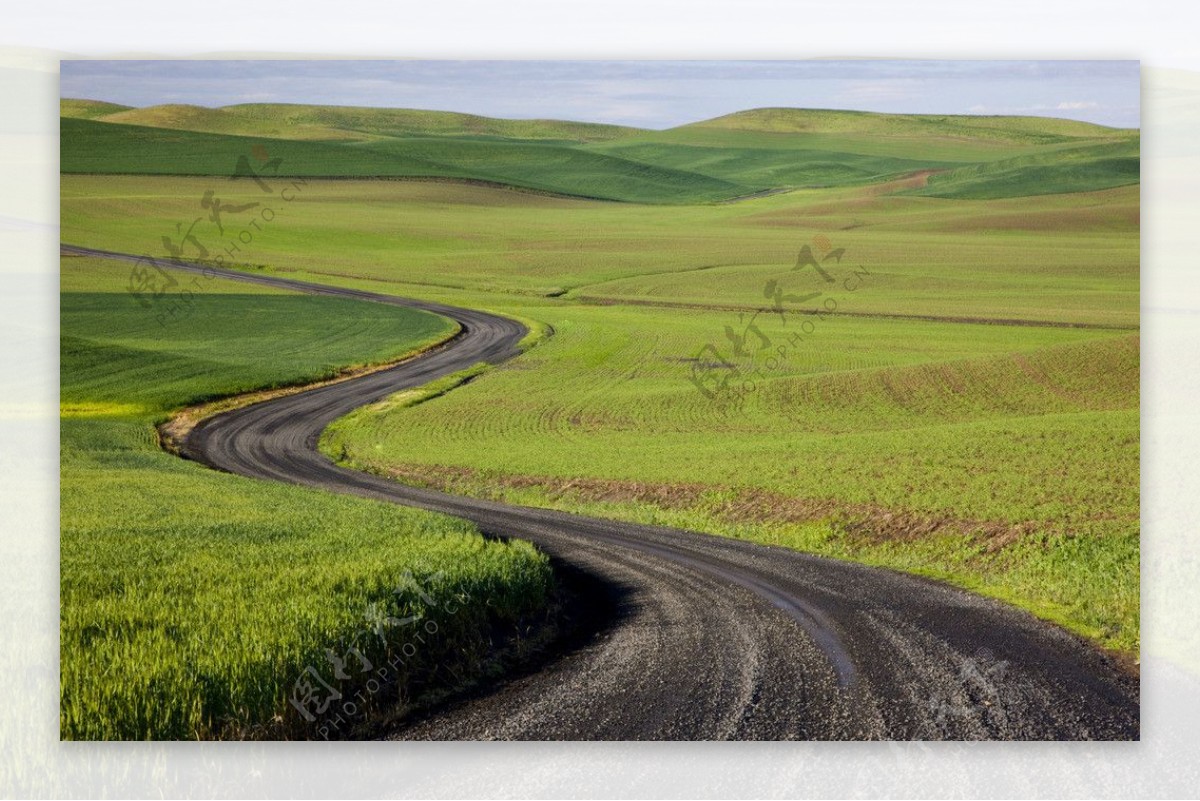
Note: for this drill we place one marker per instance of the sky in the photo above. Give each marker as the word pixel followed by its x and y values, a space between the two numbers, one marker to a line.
pixel 648 94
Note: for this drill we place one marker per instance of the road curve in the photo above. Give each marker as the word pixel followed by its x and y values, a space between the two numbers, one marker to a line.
pixel 711 638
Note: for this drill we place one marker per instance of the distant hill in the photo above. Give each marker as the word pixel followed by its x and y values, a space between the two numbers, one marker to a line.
pixel 727 157
pixel 287 121
pixel 88 109
pixel 88 146
pixel 1080 169
pixel 1001 128
pixel 416 122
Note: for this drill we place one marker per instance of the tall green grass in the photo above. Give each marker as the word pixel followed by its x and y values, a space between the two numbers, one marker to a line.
pixel 192 602
pixel 114 349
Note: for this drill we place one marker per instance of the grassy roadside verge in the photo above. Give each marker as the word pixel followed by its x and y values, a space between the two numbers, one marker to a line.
pixel 1078 582
pixel 196 604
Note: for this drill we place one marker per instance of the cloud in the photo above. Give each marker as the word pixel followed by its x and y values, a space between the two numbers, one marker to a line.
pixel 1038 108
pixel 880 91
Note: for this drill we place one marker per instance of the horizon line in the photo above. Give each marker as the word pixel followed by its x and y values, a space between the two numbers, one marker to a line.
pixel 965 115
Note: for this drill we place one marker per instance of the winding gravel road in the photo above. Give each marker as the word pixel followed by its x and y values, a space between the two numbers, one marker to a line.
pixel 706 638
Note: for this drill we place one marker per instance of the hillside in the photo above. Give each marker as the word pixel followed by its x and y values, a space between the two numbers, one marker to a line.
pixel 724 158
pixel 88 109
pixel 215 120
pixel 417 122
pixel 88 146
pixel 1082 169
pixel 289 121
pixel 995 127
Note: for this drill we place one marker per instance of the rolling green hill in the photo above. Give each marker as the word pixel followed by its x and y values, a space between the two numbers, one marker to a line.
pixel 1083 169
pixel 772 167
pixel 728 157
pixel 88 146
pixel 1002 128
pixel 106 148
pixel 564 170
pixel 218 120
pixel 418 122
pixel 88 109
pixel 337 123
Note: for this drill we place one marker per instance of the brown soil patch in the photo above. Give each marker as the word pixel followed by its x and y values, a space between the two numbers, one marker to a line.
pixel 600 300
pixel 914 180
pixel 862 523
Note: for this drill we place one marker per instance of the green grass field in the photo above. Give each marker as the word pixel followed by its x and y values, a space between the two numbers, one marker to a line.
pixel 194 610
pixel 961 400
pixel 1000 457
pixel 1070 258
pixel 983 438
